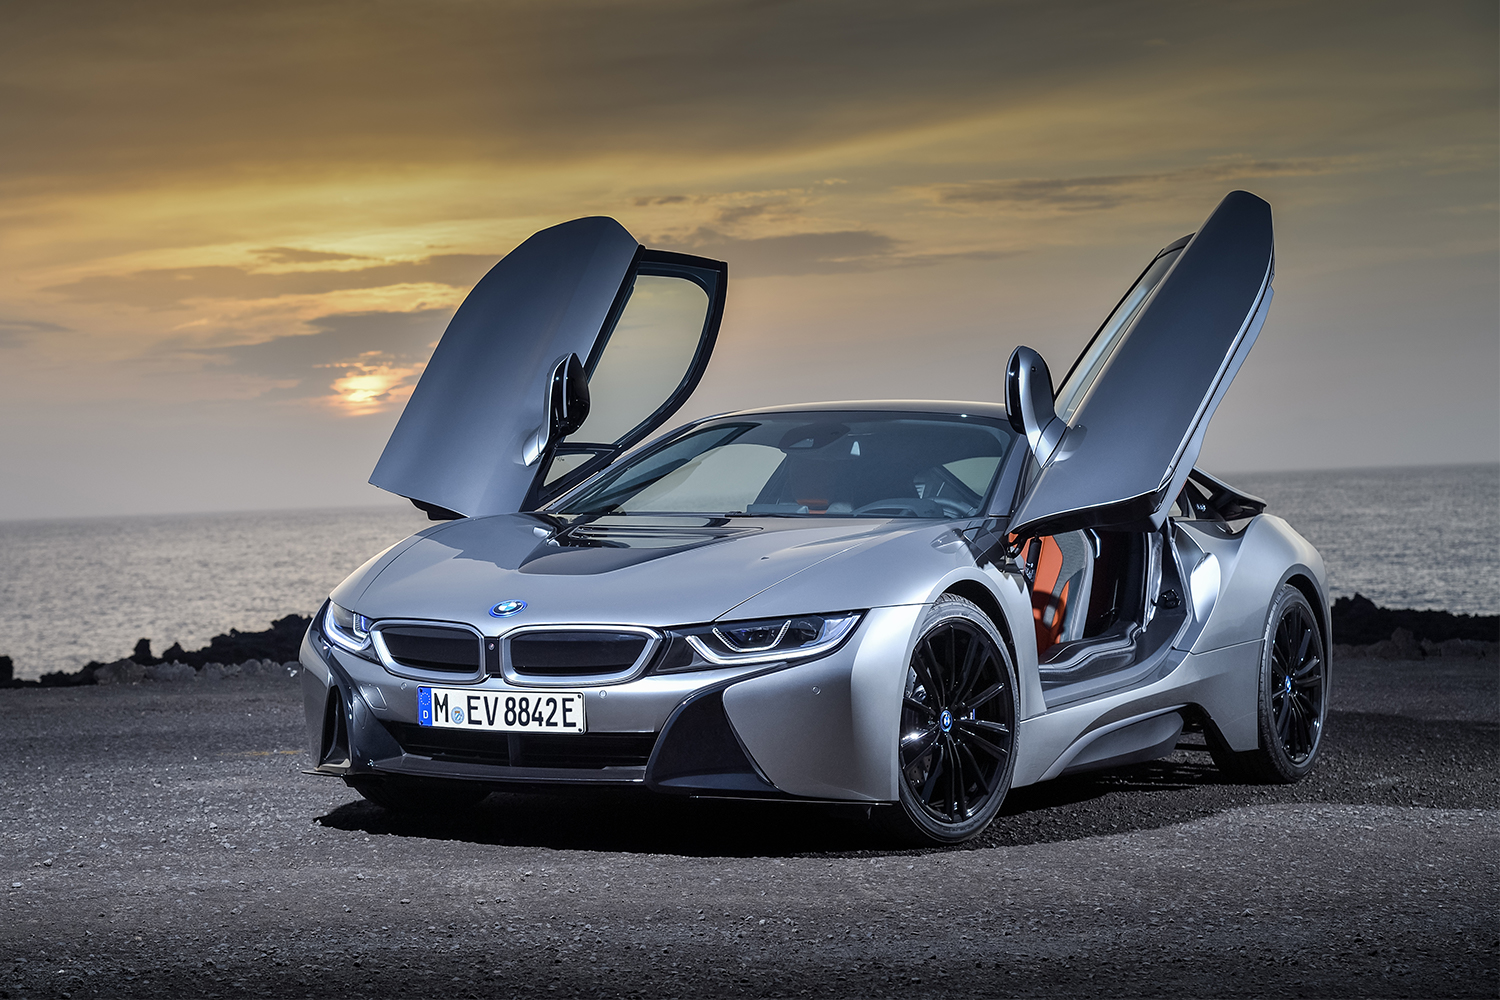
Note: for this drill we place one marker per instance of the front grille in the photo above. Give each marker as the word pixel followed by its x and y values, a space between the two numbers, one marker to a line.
pixel 583 750
pixel 574 654
pixel 433 647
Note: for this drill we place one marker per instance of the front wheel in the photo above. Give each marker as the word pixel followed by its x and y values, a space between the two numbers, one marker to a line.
pixel 1293 698
pixel 956 746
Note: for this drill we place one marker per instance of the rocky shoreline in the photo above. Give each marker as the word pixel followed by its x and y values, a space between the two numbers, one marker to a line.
pixel 269 654
pixel 1363 629
pixel 1360 629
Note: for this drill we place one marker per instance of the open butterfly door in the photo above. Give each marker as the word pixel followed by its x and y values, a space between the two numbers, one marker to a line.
pixel 1116 445
pixel 573 348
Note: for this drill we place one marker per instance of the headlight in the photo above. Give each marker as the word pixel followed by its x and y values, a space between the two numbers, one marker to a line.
pixel 347 630
pixel 767 640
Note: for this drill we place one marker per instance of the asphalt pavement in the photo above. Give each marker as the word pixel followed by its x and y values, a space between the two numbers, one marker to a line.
pixel 159 839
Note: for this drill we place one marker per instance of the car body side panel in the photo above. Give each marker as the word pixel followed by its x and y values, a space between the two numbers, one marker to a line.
pixel 827 729
pixel 909 568
pixel 1223 682
pixel 1252 567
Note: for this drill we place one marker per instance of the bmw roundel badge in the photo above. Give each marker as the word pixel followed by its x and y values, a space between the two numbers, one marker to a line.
pixel 507 608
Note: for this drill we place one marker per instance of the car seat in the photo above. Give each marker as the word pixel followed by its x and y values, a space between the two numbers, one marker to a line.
pixel 1060 589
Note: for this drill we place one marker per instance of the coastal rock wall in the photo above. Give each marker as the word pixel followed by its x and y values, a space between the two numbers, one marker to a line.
pixel 1361 628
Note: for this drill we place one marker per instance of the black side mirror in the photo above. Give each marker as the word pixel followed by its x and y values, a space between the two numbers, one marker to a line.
pixel 1028 403
pixel 567 408
pixel 568 397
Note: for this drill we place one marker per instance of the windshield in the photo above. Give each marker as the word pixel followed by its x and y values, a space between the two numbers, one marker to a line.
pixel 818 464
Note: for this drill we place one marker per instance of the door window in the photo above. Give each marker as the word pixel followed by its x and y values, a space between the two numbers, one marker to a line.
pixel 1091 362
pixel 645 364
pixel 646 356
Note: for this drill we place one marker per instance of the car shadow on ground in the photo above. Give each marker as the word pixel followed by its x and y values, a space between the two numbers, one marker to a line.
pixel 1367 759
pixel 616 821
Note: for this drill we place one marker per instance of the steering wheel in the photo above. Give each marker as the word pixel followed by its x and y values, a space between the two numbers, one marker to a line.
pixel 914 507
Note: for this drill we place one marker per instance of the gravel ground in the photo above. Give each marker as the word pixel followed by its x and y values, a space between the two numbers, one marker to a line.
pixel 159 839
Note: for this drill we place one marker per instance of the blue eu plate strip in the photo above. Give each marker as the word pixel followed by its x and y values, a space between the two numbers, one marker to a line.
pixel 424 706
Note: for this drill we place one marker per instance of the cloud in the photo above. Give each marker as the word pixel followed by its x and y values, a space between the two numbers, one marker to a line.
pixel 813 253
pixel 1080 194
pixel 291 255
pixel 15 331
pixel 359 361
pixel 794 253
pixel 161 288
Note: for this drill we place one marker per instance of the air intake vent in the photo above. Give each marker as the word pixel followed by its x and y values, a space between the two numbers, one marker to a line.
pixel 585 751
pixel 575 654
pixel 433 647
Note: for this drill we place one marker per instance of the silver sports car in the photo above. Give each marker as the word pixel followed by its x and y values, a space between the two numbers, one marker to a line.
pixel 911 605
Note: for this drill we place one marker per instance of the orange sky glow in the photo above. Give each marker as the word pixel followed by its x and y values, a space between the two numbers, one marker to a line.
pixel 231 235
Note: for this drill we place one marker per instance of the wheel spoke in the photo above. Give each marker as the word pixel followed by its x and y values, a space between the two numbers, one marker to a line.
pixel 932 774
pixel 923 665
pixel 966 674
pixel 982 697
pixel 913 747
pixel 1283 716
pixel 1302 647
pixel 997 752
pixel 1293 737
pixel 1308 673
pixel 986 725
pixel 960 798
pixel 918 706
pixel 984 782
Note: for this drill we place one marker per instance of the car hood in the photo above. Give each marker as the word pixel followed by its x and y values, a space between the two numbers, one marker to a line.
pixel 668 571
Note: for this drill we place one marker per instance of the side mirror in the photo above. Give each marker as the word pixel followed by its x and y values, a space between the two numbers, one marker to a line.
pixel 569 398
pixel 567 408
pixel 1028 403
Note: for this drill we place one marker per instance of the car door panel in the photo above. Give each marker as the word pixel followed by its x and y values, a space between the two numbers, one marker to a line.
pixel 1135 430
pixel 479 434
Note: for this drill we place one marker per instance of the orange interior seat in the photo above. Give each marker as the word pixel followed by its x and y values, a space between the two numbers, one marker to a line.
pixel 1049 595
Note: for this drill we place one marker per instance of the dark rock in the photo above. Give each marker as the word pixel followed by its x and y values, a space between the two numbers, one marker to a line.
pixel 170 672
pixel 7 670
pixel 1406 644
pixel 142 654
pixel 119 672
pixel 281 642
pixel 1358 621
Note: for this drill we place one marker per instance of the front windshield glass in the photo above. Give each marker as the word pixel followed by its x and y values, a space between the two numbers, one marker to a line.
pixel 816 464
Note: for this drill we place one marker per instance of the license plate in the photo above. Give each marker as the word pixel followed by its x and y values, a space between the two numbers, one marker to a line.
pixel 501 711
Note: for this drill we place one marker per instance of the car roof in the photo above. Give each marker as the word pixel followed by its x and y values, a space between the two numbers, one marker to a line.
pixel 944 406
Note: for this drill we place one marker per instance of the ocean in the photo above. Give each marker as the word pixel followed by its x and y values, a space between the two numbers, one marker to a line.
pixel 86 589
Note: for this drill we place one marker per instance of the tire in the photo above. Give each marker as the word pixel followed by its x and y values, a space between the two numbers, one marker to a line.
pixel 410 797
pixel 1291 702
pixel 956 743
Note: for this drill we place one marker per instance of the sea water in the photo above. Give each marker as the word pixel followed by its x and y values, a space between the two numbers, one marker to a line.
pixel 77 590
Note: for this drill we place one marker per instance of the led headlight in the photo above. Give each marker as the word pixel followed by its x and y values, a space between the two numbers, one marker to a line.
pixel 767 640
pixel 348 630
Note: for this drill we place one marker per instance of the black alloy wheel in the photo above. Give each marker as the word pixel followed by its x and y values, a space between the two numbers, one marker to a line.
pixel 1296 686
pixel 1293 697
pixel 958 720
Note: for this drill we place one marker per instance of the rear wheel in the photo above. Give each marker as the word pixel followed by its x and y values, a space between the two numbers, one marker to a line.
pixel 956 749
pixel 1293 698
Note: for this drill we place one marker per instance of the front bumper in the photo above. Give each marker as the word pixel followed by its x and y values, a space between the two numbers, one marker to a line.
pixel 822 729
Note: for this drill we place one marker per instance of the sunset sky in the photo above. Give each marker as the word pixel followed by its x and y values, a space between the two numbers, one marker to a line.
pixel 231 233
